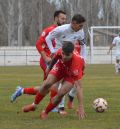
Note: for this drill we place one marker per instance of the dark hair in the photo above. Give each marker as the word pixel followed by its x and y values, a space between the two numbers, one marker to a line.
pixel 78 18
pixel 67 47
pixel 56 13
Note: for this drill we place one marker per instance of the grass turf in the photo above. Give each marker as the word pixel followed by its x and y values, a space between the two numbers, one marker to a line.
pixel 99 81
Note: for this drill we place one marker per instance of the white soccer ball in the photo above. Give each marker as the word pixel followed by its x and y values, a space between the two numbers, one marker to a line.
pixel 100 105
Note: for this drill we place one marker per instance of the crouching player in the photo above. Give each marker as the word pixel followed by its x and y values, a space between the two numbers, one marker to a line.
pixel 68 67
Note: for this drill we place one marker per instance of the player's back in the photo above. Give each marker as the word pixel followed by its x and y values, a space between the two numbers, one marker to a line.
pixel 77 66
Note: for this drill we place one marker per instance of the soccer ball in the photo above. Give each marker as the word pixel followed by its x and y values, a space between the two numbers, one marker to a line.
pixel 100 105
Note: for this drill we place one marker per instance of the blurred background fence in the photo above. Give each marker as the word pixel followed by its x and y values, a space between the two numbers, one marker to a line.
pixel 12 56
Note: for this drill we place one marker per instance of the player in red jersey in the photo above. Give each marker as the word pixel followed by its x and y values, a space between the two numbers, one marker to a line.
pixel 72 92
pixel 67 66
pixel 59 19
pixel 70 32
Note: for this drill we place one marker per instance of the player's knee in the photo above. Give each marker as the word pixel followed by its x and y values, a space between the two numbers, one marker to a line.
pixel 60 95
pixel 46 85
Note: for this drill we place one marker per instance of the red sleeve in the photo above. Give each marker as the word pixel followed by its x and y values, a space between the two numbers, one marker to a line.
pixel 81 70
pixel 41 40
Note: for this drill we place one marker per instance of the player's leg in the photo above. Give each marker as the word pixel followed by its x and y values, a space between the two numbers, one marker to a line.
pixel 53 93
pixel 66 87
pixel 71 96
pixel 43 90
pixel 61 106
pixel 43 66
pixel 117 65
pixel 54 90
pixel 20 91
pixel 29 90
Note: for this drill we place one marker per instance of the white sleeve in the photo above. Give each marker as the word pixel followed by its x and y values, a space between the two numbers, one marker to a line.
pixel 83 51
pixel 114 41
pixel 52 35
pixel 49 43
pixel 82 37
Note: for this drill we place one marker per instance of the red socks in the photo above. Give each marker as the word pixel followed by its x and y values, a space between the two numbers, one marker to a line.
pixel 38 98
pixel 53 93
pixel 49 107
pixel 30 91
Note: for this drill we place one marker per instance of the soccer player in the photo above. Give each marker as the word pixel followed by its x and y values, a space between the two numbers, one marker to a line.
pixel 72 32
pixel 59 19
pixel 116 42
pixel 72 93
pixel 65 65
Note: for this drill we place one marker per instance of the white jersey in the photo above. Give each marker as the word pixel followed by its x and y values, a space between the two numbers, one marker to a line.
pixel 66 33
pixel 116 42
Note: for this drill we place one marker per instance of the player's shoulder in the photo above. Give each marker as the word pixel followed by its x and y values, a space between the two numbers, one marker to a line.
pixel 80 34
pixel 63 27
pixel 49 28
pixel 117 37
pixel 81 31
pixel 78 57
pixel 52 26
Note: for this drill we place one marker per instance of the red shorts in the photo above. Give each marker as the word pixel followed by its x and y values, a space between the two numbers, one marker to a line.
pixel 60 72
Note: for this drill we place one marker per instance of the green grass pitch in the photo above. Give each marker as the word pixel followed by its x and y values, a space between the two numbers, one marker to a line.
pixel 99 81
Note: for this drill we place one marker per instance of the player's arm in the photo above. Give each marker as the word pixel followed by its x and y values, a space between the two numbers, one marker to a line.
pixel 83 43
pixel 112 45
pixel 81 111
pixel 110 48
pixel 53 61
pixel 52 35
pixel 83 51
pixel 39 45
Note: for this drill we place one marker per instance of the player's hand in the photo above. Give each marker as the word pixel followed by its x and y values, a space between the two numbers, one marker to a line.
pixel 81 113
pixel 48 60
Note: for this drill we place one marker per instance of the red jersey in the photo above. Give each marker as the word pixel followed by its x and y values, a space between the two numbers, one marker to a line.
pixel 41 43
pixel 74 67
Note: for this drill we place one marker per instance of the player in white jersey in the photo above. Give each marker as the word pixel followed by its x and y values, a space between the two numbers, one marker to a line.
pixel 116 42
pixel 66 33
pixel 70 32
